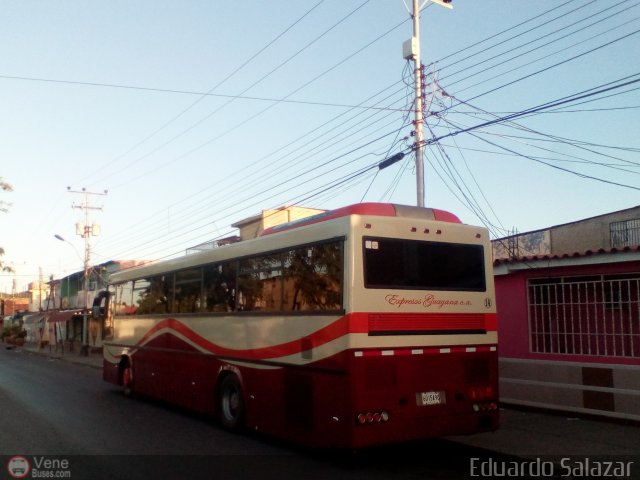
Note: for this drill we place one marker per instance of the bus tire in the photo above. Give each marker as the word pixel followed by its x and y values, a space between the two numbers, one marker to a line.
pixel 231 407
pixel 127 379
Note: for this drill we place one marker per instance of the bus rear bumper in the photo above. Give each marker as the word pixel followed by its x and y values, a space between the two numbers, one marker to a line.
pixel 402 430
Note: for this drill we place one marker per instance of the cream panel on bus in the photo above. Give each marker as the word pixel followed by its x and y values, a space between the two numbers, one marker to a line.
pixel 418 301
pixel 221 332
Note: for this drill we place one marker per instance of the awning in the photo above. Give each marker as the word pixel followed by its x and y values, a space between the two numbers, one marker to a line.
pixel 33 318
pixel 64 315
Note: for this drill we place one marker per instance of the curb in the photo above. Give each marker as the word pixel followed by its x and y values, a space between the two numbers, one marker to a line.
pixel 88 361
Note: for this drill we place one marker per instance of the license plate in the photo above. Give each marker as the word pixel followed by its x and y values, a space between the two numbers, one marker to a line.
pixel 431 398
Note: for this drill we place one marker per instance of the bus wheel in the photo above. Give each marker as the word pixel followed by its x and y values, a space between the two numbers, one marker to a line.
pixel 231 403
pixel 127 380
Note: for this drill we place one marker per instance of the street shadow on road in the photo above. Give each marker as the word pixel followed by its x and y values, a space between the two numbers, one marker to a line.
pixel 424 459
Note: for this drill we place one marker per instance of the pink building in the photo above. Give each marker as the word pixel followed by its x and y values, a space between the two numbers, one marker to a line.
pixel 568 301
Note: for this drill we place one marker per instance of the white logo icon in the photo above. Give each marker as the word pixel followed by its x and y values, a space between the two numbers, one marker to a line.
pixel 18 467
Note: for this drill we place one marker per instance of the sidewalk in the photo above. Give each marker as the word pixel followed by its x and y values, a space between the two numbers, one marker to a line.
pixel 536 444
pixel 93 360
pixel 532 434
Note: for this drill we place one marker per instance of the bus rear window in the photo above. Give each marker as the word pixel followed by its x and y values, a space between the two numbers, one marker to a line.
pixel 411 264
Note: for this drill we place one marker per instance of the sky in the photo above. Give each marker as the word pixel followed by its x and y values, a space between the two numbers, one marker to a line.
pixel 193 115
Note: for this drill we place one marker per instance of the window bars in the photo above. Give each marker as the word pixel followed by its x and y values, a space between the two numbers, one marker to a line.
pixel 597 315
pixel 625 233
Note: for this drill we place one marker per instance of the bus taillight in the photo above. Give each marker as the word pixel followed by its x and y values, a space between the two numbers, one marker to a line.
pixel 485 407
pixel 481 392
pixel 372 417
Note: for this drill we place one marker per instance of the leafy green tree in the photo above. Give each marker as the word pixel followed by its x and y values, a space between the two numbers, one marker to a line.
pixel 5 187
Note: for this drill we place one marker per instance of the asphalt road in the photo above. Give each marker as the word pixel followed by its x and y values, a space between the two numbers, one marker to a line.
pixel 63 416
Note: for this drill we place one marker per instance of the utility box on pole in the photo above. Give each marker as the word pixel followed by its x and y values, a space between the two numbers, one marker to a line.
pixel 410 48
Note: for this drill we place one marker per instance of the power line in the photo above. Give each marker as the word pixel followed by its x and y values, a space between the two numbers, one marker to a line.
pixel 550 42
pixel 256 198
pixel 581 175
pixel 624 37
pixel 254 116
pixel 305 140
pixel 538 108
pixel 185 92
pixel 573 98
pixel 517 36
pixel 344 181
pixel 491 37
pixel 583 94
pixel 224 80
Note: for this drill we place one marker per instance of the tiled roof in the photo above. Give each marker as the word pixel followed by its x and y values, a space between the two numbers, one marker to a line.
pixel 558 256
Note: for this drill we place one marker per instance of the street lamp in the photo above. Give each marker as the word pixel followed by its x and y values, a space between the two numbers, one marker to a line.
pixel 85 287
pixel 62 239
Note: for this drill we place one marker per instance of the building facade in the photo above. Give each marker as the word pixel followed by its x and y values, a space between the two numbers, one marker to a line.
pixel 69 319
pixel 568 301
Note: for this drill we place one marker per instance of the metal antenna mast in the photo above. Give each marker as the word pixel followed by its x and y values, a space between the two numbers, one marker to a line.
pixel 411 51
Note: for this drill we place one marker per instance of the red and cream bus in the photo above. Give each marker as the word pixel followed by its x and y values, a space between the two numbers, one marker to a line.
pixel 369 324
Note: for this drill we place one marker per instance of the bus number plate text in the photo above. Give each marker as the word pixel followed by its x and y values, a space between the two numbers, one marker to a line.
pixel 431 398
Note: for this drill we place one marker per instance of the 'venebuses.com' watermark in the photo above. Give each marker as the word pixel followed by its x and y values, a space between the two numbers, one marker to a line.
pixel 563 467
pixel 38 467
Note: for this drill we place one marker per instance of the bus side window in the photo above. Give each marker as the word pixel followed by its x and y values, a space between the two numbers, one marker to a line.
pixel 154 295
pixel 122 299
pixel 188 291
pixel 260 283
pixel 219 287
pixel 313 278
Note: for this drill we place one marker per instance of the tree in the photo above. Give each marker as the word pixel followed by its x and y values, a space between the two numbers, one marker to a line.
pixel 4 206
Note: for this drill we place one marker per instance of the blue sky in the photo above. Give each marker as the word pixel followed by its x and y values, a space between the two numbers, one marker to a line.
pixel 302 96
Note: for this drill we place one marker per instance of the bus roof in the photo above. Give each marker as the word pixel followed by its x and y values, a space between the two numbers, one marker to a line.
pixel 374 209
pixel 245 247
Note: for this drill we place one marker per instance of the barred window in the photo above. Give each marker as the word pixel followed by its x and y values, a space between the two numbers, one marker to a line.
pixel 597 315
pixel 625 233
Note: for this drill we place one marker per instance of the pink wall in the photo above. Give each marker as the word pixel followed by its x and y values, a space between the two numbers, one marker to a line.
pixel 511 303
pixel 513 316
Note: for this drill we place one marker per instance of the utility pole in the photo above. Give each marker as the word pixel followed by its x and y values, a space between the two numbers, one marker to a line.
pixel 417 66
pixel 411 51
pixel 40 280
pixel 86 230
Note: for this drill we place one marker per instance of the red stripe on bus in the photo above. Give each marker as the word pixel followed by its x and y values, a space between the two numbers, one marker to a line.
pixel 353 323
pixel 337 329
pixel 415 322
